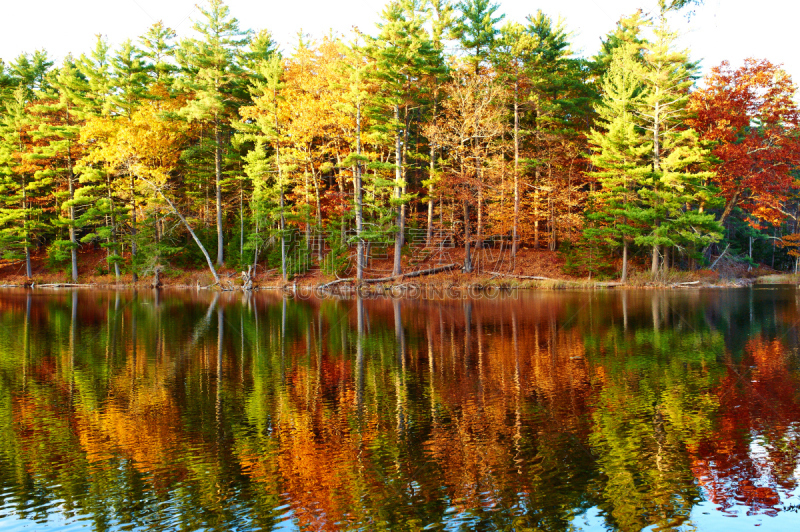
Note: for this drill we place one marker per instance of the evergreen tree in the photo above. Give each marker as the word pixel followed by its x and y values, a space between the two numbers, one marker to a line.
pixel 60 130
pixel 96 104
pixel 213 79
pixel 262 126
pixel 404 55
pixel 476 29
pixel 628 31
pixel 158 53
pixel 677 185
pixel 18 222
pixel 620 153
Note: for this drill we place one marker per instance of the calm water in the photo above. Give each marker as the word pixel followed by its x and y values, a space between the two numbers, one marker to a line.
pixel 537 411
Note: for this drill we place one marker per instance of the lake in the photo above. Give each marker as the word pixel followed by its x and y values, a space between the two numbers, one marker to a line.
pixel 521 410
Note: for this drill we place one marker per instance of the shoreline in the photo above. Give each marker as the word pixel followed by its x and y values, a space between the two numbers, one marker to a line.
pixel 475 284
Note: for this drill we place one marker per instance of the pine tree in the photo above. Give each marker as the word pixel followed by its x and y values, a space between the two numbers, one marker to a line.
pixel 476 29
pixel 96 109
pixel 355 74
pixel 17 212
pixel 676 186
pixel 157 52
pixel 60 129
pixel 628 31
pixel 404 55
pixel 620 153
pixel 262 125
pixel 214 80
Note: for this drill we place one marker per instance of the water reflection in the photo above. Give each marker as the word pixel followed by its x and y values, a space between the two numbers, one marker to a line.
pixel 551 411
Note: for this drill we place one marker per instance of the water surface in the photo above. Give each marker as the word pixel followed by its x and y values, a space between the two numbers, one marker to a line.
pixel 618 410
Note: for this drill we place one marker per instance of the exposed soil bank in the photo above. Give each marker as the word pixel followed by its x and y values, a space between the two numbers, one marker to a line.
pixel 533 270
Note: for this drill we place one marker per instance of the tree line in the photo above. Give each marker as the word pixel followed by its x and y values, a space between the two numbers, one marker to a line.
pixel 448 119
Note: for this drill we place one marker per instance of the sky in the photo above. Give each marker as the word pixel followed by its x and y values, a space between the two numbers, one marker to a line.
pixel 719 29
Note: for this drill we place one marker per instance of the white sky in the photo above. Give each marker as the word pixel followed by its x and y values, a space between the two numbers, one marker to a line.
pixel 720 29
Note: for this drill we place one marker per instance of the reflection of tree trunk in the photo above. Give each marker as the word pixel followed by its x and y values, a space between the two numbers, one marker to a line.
pixel 399 334
pixel 517 389
pixel 467 257
pixel 656 316
pixel 479 333
pixel 360 355
pixel 26 340
pixel 73 332
pixel 134 334
pixel 218 402
pixel 467 333
pixel 625 310
pixel 283 339
pixel 401 359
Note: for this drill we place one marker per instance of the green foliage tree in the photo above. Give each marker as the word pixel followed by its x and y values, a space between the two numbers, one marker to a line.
pixel 404 55
pixel 476 28
pixel 620 153
pixel 214 83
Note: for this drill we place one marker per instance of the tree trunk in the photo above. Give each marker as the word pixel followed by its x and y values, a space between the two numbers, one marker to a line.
pixel 218 182
pixel 133 227
pixel 359 198
pixel 624 262
pixel 241 221
pixel 467 257
pixel 113 235
pixel 429 228
pixel 515 224
pixel 72 239
pixel 398 241
pixel 280 185
pixel 28 270
pixel 654 264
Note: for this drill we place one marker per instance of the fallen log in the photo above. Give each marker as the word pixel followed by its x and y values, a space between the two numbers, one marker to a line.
pixel 687 283
pixel 65 285
pixel 337 281
pixel 419 273
pixel 534 277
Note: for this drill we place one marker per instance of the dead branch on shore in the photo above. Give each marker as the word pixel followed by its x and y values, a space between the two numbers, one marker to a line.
pixel 419 273
pixel 534 277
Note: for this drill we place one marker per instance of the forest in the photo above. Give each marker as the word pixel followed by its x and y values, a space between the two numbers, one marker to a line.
pixel 446 125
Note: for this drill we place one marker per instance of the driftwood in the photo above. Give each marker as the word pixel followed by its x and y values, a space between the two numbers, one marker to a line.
pixel 687 283
pixel 247 279
pixel 419 273
pixel 65 285
pixel 534 277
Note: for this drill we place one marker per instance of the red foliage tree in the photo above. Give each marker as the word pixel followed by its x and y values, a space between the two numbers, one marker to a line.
pixel 750 116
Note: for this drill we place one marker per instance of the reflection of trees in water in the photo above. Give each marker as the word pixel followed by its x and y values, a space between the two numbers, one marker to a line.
pixel 391 414
pixel 751 456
